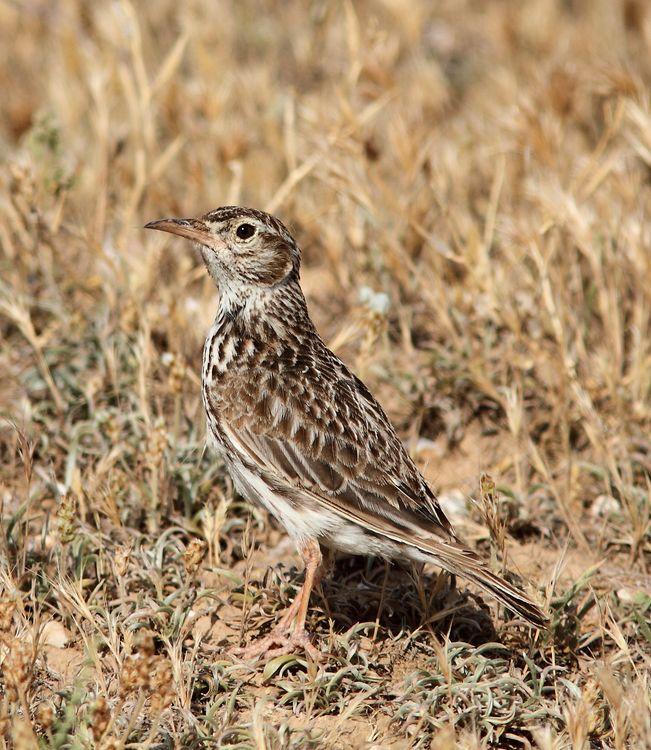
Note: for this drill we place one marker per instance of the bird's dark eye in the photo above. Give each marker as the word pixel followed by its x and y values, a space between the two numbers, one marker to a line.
pixel 244 231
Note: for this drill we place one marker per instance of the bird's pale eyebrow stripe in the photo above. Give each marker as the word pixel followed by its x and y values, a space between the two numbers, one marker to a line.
pixel 228 213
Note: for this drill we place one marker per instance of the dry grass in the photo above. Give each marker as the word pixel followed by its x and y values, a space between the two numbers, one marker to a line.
pixel 470 183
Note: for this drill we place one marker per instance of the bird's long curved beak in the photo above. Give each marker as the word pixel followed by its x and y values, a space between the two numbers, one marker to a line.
pixel 193 229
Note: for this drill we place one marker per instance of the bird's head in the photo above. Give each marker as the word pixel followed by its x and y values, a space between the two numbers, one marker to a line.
pixel 243 249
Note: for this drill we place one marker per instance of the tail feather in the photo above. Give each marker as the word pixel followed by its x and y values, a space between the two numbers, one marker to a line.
pixel 508 595
pixel 464 562
pixel 441 547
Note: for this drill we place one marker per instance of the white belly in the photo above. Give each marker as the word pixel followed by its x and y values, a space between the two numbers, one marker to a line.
pixel 300 522
pixel 314 523
pixel 304 521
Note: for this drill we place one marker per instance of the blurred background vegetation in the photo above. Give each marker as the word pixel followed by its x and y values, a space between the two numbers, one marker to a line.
pixel 470 183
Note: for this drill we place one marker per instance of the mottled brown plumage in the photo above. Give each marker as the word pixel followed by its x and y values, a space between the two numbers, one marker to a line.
pixel 299 432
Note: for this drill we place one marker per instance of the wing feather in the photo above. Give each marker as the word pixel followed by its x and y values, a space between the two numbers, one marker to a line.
pixel 340 446
pixel 324 438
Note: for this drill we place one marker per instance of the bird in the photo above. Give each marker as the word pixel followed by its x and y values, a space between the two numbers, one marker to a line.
pixel 301 434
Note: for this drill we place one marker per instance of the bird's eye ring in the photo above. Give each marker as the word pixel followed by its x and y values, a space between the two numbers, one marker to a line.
pixel 245 231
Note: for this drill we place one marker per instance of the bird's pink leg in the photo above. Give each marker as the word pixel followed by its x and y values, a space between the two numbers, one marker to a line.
pixel 282 638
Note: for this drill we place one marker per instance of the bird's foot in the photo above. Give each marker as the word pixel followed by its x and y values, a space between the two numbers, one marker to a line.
pixel 276 643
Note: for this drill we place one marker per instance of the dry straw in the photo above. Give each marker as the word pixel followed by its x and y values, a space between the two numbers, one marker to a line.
pixel 484 168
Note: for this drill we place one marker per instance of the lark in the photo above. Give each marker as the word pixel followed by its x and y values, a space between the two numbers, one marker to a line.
pixel 300 433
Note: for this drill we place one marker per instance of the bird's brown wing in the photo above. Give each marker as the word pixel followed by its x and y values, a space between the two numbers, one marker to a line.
pixel 324 437
pixel 324 432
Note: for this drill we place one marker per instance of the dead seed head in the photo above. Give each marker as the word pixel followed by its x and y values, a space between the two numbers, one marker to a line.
pixel 67 517
pixel 193 556
pixel 44 716
pixel 100 718
pixel 17 669
pixel 7 609
pixel 122 557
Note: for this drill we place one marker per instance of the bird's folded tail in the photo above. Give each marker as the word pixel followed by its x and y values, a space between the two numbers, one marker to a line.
pixel 441 547
pixel 466 564
pixel 510 596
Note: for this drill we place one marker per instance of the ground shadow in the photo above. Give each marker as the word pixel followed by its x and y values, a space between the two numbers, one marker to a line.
pixel 401 599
